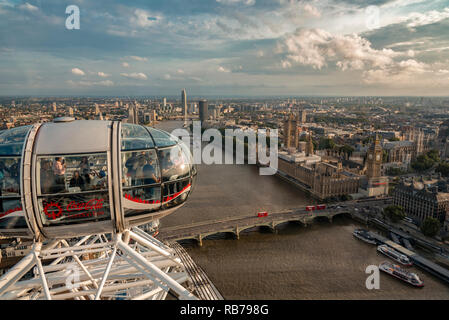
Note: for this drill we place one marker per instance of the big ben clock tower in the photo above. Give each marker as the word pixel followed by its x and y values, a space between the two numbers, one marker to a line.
pixel 375 184
pixel 374 160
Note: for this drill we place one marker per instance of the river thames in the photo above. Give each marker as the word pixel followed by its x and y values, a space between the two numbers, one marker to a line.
pixel 322 261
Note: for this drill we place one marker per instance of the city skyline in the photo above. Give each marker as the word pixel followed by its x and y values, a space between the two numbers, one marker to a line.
pixel 226 48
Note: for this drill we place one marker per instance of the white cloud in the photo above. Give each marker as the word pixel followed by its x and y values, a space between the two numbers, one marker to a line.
pixel 319 49
pixel 78 72
pixel 316 48
pixel 400 3
pixel 197 79
pixel 311 10
pixel 125 64
pixel 223 69
pixel 138 58
pixel 102 74
pixel 417 19
pixel 28 7
pixel 144 19
pixel 245 2
pixel 167 76
pixel 180 71
pixel 82 83
pixel 135 75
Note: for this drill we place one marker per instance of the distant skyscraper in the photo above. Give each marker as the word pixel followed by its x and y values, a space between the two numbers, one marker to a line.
pixel 303 116
pixel 70 111
pixel 133 114
pixel 54 107
pixel 164 102
pixel 203 110
pixel 184 105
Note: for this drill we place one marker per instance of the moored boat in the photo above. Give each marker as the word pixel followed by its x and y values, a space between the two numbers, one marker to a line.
pixel 402 274
pixel 364 235
pixel 395 255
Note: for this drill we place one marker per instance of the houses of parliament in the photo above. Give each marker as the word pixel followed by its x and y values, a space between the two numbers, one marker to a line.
pixel 324 176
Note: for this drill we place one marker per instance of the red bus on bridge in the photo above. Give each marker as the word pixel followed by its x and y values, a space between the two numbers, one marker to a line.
pixel 317 207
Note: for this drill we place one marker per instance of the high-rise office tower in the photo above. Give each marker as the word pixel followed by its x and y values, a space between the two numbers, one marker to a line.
pixel 133 114
pixel 164 102
pixel 303 116
pixel 184 105
pixel 203 110
pixel 54 107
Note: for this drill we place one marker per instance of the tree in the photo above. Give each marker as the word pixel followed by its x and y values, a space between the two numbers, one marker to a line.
pixel 395 171
pixel 430 227
pixel 384 156
pixel 347 149
pixel 394 213
pixel 326 143
pixel 422 163
pixel 443 167
pixel 434 155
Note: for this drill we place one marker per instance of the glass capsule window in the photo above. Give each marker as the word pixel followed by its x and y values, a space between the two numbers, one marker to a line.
pixel 11 145
pixel 74 173
pixel 140 168
pixel 11 141
pixel 11 213
pixel 174 163
pixel 162 139
pixel 9 176
pixel 135 137
pixel 73 188
pixel 140 182
pixel 175 168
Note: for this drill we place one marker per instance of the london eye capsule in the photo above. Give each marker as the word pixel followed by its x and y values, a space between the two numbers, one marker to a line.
pixel 69 178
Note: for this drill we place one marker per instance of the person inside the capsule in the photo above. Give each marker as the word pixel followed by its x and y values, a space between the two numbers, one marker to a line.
pixel 131 166
pixel 139 166
pixel 100 180
pixel 47 177
pixel 14 171
pixel 149 172
pixel 166 165
pixel 59 168
pixel 77 181
pixel 85 169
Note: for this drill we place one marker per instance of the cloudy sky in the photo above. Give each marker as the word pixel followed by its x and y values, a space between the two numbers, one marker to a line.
pixel 225 47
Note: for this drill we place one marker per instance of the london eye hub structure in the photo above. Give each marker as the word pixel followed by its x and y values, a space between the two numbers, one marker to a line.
pixel 84 191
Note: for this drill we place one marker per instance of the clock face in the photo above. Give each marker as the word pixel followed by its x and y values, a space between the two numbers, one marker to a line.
pixel 370 156
pixel 378 157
